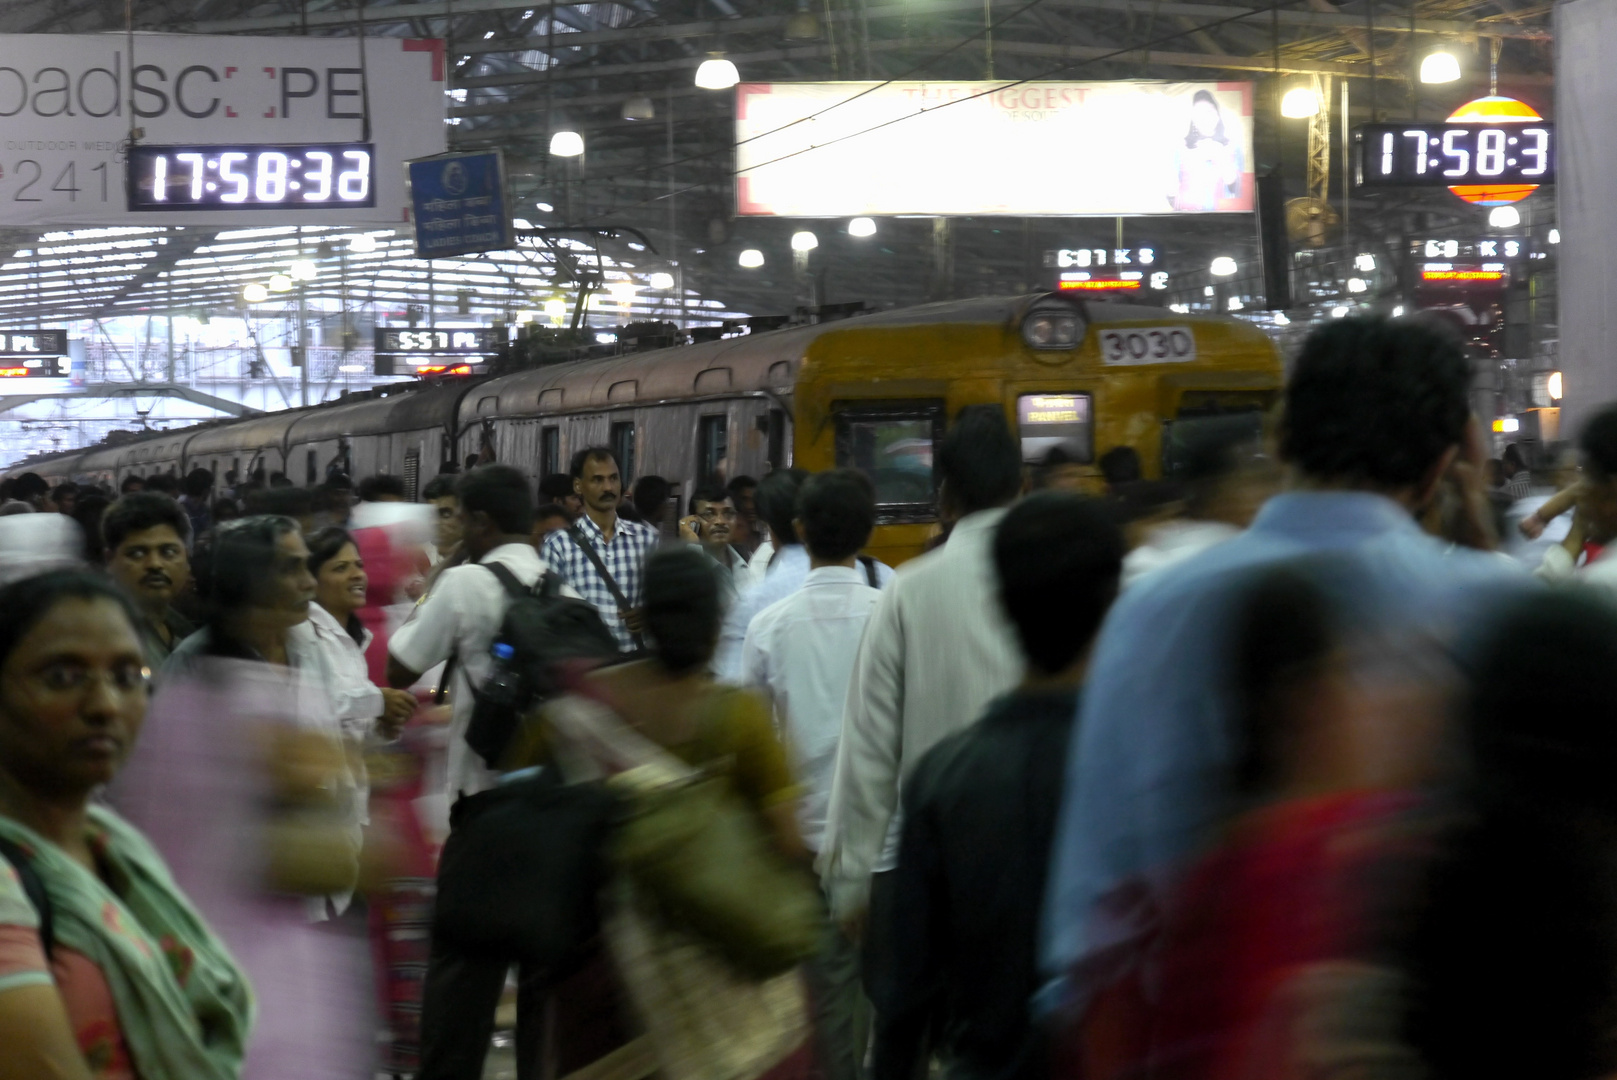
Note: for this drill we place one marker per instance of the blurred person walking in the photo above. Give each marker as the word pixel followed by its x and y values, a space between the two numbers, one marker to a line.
pixel 938 649
pixel 704 1017
pixel 196 502
pixel 1582 555
pixel 800 653
pixel 241 781
pixel 979 812
pixel 107 971
pixel 1224 481
pixel 602 556
pixel 1376 415
pixel 651 496
pixel 145 536
pixel 1526 867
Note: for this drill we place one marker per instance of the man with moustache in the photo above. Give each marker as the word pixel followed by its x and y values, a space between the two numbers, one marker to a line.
pixel 712 523
pixel 146 534
pixel 602 555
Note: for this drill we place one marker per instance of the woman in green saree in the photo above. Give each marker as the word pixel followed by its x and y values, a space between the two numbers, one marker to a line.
pixel 111 974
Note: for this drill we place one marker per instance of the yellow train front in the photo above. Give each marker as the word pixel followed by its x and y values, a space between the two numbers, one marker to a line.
pixel 877 393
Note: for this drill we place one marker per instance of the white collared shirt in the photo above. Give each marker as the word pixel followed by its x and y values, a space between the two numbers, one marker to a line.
pixel 460 617
pixel 340 659
pixel 800 651
pixel 938 649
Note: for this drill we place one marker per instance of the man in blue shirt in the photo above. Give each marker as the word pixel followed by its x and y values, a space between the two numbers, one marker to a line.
pixel 1376 422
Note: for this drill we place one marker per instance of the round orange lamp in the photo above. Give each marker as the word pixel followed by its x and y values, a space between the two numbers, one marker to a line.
pixel 1494 109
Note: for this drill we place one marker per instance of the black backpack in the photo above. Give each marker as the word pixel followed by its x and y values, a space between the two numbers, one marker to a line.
pixel 541 629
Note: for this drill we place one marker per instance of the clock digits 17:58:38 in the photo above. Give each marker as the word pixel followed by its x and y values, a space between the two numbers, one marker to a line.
pixel 306 177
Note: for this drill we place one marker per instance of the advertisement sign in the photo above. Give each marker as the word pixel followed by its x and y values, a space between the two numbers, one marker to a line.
pixel 1035 149
pixel 68 101
pixel 459 204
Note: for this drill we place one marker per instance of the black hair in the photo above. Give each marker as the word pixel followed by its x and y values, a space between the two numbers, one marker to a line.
pixel 1120 465
pixel 89 512
pixel 550 510
pixel 324 545
pixel 838 511
pixel 439 487
pixel 1373 401
pixel 650 496
pixel 709 491
pixel 1211 449
pixel 382 484
pixel 1058 557
pixel 1512 460
pixel 575 468
pixel 198 482
pixel 499 491
pixel 338 481
pixel 1599 443
pixel 166 483
pixel 30 599
pixel 683 607
pixel 1282 632
pixel 29 486
pixel 741 483
pixel 1192 137
pixel 139 511
pixel 979 461
pixel 66 487
pixel 556 486
pixel 777 503
pixel 130 483
pixel 234 562
pixel 292 502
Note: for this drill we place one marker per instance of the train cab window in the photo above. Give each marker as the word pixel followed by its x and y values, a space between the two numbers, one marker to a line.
pixel 893 443
pixel 623 450
pixel 1229 412
pixel 1051 420
pixel 549 450
pixel 713 446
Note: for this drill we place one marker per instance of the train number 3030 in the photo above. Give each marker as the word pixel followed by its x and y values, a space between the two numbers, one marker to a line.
pixel 1148 345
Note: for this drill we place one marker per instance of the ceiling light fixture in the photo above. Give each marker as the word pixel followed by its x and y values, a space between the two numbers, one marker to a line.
pixel 717 73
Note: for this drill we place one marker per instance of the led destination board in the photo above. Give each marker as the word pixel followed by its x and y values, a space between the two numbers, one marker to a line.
pixel 31 343
pixel 476 341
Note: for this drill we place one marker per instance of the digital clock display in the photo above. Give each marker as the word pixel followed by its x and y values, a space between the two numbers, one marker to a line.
pixel 426 342
pixel 1448 155
pixel 303 177
pixel 32 343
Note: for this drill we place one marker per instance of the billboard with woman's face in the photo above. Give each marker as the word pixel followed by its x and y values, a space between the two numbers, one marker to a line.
pixel 1028 149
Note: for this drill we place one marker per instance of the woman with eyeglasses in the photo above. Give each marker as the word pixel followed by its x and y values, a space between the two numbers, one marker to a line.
pixel 107 971
pixel 242 782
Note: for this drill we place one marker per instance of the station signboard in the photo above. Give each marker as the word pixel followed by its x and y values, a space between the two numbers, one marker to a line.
pixel 248 106
pixel 459 205
pixel 33 343
pixel 845 149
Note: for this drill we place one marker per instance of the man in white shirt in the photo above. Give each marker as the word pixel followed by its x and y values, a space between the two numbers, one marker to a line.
pixel 461 615
pixel 800 651
pixel 780 567
pixel 937 650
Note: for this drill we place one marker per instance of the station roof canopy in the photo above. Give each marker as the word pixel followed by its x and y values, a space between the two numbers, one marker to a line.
pixel 518 70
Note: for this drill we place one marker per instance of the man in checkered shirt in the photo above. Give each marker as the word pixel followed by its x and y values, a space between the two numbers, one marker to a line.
pixel 621 545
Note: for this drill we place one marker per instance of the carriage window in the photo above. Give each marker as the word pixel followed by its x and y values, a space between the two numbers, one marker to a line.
pixel 549 451
pixel 1048 421
pixel 893 444
pixel 623 450
pixel 714 447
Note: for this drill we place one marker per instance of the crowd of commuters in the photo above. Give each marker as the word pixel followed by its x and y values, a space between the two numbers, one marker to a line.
pixel 1289 763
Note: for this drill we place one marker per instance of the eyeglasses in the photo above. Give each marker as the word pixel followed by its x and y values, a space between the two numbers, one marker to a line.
pixel 70 678
pixel 710 514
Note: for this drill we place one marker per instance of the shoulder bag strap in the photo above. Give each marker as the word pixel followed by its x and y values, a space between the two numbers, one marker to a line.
pixel 606 576
pixel 870 571
pixel 34 888
pixel 513 588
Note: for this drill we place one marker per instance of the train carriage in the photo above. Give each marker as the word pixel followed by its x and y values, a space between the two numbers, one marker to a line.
pixel 874 392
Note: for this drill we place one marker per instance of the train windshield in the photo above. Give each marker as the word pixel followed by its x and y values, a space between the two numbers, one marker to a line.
pixel 893 443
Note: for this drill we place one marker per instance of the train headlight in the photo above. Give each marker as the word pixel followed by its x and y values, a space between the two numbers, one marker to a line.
pixel 1052 330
